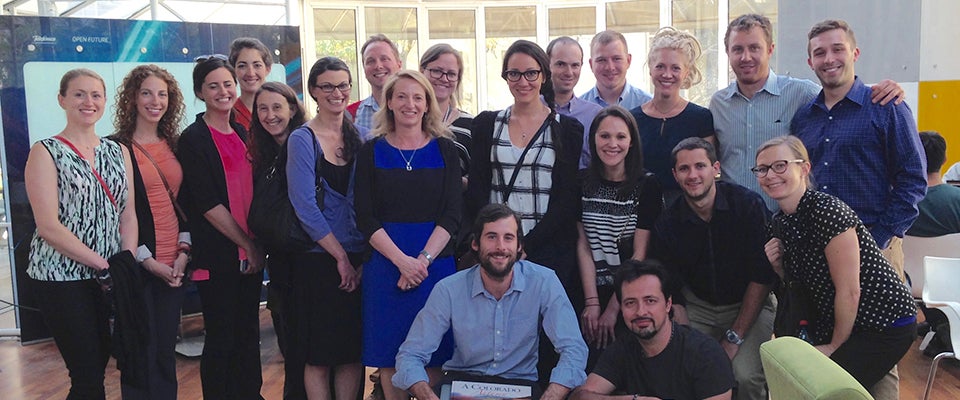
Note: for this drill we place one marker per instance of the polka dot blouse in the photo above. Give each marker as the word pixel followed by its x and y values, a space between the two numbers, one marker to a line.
pixel 819 218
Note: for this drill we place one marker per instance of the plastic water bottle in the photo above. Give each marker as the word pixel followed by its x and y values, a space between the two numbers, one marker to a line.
pixel 802 332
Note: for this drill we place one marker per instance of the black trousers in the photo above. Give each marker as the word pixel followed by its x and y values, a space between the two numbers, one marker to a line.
pixel 77 314
pixel 230 364
pixel 868 356
pixel 163 318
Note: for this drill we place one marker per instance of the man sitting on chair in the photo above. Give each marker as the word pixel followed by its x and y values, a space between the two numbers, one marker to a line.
pixel 495 310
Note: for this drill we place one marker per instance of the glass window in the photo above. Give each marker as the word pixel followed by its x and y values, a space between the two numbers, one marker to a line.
pixel 504 25
pixel 699 17
pixel 458 28
pixel 400 25
pixel 637 20
pixel 336 35
pixel 765 8
pixel 580 24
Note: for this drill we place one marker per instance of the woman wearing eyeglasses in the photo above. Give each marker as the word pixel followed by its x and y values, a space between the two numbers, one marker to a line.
pixel 326 278
pixel 443 67
pixel 865 318
pixel 526 156
pixel 668 118
pixel 218 188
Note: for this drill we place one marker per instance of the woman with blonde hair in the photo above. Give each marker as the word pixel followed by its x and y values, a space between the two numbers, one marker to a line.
pixel 668 118
pixel 864 318
pixel 408 207
pixel 149 110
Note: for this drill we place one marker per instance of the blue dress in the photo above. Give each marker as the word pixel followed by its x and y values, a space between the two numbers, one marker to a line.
pixel 406 193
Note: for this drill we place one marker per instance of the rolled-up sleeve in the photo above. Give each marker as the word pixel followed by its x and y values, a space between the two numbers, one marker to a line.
pixel 301 183
pixel 560 325
pixel 424 337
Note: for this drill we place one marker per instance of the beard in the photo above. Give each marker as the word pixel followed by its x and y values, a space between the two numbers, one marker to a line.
pixel 645 333
pixel 486 262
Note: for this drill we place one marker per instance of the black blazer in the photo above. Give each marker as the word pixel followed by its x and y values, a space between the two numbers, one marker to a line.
pixel 204 187
pixel 552 243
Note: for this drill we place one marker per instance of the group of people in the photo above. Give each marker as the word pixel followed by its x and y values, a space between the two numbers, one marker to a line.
pixel 600 250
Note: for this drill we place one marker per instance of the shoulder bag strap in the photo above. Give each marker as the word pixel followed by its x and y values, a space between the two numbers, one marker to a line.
pixel 163 178
pixel 508 190
pixel 317 173
pixel 103 184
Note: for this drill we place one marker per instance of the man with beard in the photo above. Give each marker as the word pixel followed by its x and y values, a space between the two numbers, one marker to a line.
pixel 659 359
pixel 712 241
pixel 495 310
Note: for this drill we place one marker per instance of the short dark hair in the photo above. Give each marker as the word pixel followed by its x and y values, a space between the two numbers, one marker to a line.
pixel 494 212
pixel 746 22
pixel 562 41
pixel 935 146
pixel 693 143
pixel 632 270
pixel 829 25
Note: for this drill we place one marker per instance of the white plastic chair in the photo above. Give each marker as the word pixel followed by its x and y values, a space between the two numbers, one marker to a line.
pixel 915 248
pixel 941 289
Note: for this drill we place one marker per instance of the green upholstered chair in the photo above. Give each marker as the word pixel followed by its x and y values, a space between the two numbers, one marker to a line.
pixel 795 370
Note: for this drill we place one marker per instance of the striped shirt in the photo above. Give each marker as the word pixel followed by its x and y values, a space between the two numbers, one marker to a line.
pixel 743 124
pixel 85 210
pixel 530 195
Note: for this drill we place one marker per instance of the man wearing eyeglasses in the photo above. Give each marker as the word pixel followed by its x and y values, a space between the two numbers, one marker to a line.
pixel 712 242
pixel 381 59
pixel 566 60
pixel 869 155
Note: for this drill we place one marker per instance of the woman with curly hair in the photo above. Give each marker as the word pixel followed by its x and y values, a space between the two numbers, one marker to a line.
pixel 148 113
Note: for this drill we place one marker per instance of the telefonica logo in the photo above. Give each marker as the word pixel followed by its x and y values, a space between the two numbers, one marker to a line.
pixel 44 39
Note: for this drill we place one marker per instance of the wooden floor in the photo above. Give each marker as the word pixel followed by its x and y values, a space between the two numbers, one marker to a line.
pixel 37 372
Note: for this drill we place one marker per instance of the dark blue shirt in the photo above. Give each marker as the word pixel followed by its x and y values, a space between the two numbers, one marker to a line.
pixel 869 156
pixel 658 136
pixel 716 260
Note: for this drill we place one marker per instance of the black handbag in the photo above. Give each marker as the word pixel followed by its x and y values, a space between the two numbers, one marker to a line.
pixel 794 303
pixel 272 218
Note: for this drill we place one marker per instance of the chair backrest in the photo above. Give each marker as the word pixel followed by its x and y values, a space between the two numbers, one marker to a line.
pixel 795 370
pixel 941 280
pixel 915 248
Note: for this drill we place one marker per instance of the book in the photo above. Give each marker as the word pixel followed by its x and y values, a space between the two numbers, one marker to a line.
pixel 466 390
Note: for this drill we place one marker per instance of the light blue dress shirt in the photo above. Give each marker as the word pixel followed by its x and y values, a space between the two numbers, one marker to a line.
pixel 630 98
pixel 583 111
pixel 743 124
pixel 365 112
pixel 496 338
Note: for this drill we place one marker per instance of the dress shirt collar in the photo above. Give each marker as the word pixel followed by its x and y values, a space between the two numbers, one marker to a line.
pixel 859 93
pixel 720 203
pixel 771 86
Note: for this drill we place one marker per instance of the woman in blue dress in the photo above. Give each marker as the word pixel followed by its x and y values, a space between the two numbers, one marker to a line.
pixel 408 207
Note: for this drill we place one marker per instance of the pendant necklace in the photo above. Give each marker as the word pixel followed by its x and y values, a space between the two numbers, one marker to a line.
pixel 663 115
pixel 408 161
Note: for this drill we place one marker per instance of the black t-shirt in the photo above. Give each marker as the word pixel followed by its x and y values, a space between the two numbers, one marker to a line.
pixel 692 366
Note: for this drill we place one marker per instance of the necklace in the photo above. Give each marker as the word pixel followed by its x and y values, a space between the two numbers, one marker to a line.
pixel 663 115
pixel 408 161
pixel 446 115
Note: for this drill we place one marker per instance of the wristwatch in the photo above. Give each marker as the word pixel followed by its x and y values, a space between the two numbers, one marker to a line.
pixel 732 337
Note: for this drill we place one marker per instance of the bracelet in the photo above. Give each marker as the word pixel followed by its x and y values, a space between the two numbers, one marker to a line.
pixel 427 256
pixel 592 297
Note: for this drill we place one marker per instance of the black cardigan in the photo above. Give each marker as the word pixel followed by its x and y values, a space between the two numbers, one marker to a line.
pixel 552 242
pixel 205 187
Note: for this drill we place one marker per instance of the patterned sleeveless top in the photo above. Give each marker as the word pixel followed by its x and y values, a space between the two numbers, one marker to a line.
pixel 85 209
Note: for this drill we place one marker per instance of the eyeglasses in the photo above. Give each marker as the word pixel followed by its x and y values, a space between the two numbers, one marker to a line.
pixel 328 87
pixel 207 57
pixel 778 167
pixel 514 75
pixel 437 73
